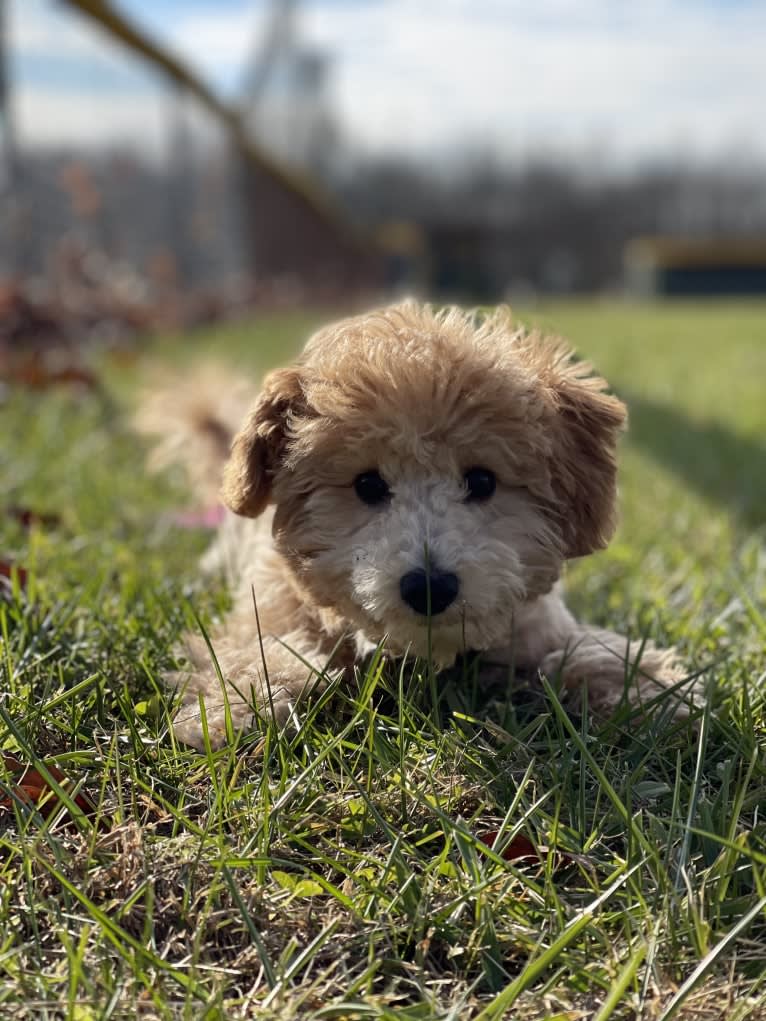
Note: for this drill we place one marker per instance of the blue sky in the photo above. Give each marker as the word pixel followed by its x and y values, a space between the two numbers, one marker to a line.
pixel 627 81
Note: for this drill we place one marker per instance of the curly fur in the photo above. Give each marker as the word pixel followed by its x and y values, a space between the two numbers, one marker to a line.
pixel 420 396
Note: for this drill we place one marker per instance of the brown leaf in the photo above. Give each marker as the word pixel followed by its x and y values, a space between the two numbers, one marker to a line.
pixel 29 786
pixel 7 570
pixel 521 848
pixel 27 517
pixel 34 371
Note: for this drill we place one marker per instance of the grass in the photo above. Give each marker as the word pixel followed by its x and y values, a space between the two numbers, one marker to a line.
pixel 345 871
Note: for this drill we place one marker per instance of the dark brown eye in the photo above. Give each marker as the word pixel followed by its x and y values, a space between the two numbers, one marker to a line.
pixel 371 488
pixel 480 483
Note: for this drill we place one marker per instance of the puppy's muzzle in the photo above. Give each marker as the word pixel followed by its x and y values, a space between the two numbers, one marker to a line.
pixel 432 592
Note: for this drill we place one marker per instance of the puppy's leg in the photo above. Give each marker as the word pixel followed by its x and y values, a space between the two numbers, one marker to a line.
pixel 267 676
pixel 614 669
pixel 547 637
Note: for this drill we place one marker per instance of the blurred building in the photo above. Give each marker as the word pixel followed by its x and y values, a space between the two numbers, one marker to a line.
pixel 226 197
pixel 264 194
pixel 285 100
pixel 295 232
pixel 695 267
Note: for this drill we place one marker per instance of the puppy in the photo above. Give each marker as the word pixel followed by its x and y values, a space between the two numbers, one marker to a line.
pixel 419 477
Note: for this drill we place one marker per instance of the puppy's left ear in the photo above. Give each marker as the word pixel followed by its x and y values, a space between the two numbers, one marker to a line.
pixel 587 425
pixel 584 465
pixel 258 449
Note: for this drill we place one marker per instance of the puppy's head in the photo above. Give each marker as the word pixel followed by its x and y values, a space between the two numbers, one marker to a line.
pixel 426 467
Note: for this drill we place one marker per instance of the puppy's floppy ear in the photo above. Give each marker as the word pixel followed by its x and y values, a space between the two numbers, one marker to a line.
pixel 583 466
pixel 258 447
pixel 583 431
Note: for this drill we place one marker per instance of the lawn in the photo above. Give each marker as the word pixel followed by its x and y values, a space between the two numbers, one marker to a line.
pixel 367 864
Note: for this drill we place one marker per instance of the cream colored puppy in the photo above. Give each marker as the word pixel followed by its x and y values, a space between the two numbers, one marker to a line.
pixel 418 477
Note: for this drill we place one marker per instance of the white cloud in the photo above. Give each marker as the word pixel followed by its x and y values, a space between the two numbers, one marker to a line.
pixel 219 42
pixel 423 76
pixel 38 29
pixel 85 118
pixel 555 74
pixel 41 31
pixel 76 87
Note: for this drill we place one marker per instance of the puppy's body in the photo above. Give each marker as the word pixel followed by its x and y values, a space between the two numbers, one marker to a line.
pixel 416 477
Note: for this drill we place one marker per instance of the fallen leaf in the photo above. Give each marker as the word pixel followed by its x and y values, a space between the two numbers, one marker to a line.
pixel 7 570
pixel 29 786
pixel 27 517
pixel 521 848
pixel 124 357
pixel 33 372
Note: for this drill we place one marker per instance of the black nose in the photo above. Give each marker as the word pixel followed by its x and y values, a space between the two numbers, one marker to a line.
pixel 416 587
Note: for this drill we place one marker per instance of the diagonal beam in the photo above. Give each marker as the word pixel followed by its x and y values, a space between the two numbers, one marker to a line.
pixel 125 31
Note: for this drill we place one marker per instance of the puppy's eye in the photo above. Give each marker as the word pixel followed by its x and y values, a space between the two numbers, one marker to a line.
pixel 480 483
pixel 371 488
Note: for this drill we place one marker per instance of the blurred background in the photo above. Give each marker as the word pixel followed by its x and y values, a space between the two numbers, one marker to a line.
pixel 212 179
pixel 167 163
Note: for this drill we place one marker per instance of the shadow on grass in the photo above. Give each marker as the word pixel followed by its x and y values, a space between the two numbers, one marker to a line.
pixel 723 466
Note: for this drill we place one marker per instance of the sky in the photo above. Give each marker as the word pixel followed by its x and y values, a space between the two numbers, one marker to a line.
pixel 609 80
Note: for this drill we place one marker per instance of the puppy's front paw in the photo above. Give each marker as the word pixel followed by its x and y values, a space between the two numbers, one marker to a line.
pixel 231 715
pixel 189 729
pixel 614 671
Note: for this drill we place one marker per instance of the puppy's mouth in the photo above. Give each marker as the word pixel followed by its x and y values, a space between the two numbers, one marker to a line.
pixel 449 625
pixel 403 619
pixel 446 620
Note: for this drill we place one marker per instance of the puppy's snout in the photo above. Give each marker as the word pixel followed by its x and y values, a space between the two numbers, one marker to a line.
pixel 439 588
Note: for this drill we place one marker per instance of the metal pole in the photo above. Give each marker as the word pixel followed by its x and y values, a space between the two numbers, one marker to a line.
pixel 7 149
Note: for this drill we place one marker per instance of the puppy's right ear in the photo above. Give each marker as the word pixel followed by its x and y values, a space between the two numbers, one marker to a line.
pixel 258 448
